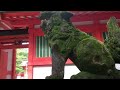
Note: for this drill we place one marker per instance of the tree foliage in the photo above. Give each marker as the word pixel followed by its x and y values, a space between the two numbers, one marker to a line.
pixel 113 39
pixel 21 55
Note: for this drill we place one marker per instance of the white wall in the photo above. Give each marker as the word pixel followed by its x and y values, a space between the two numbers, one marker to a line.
pixel 70 70
pixel 42 72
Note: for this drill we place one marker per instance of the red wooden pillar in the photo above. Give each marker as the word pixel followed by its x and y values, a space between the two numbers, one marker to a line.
pixel 97 32
pixel 14 64
pixel 30 54
pixel 3 64
pixel 98 35
pixel 30 71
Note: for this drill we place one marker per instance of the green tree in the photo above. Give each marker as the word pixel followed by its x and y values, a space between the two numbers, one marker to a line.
pixel 21 55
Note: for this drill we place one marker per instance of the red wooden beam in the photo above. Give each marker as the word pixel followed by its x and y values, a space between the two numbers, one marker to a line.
pixel 7 38
pixel 13 46
pixel 27 13
pixel 5 24
pixel 45 61
pixel 94 17
pixel 13 41
pixel 14 37
pixel 20 26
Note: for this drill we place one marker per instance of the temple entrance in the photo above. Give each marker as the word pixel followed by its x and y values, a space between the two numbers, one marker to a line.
pixel 10 40
pixel 21 63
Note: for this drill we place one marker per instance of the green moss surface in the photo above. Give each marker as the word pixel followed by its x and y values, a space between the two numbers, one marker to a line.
pixel 95 59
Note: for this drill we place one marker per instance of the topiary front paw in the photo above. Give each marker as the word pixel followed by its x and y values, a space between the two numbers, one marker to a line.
pixel 54 77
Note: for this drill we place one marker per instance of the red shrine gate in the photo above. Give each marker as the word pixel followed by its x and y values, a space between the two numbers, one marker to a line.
pixel 25 27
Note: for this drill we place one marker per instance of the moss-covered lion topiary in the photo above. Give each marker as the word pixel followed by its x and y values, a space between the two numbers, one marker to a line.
pixel 90 56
